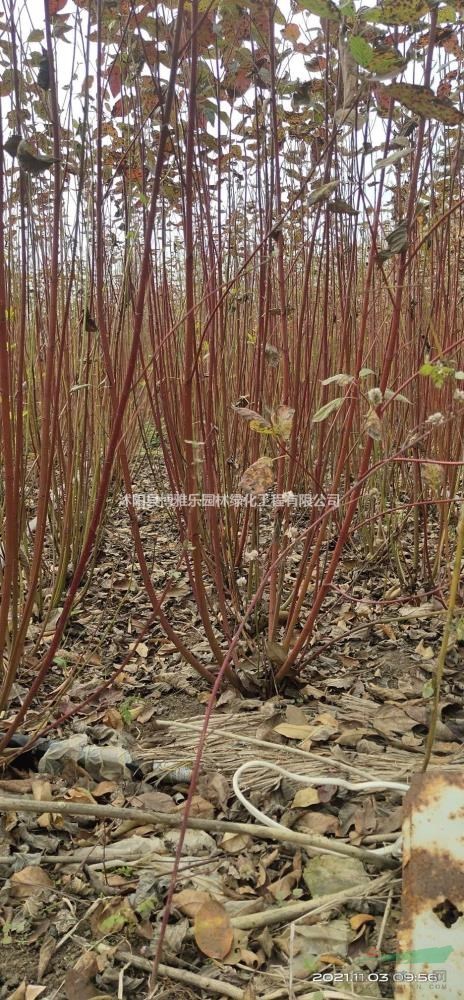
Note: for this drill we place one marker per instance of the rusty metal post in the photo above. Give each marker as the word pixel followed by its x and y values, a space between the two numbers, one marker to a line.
pixel 430 961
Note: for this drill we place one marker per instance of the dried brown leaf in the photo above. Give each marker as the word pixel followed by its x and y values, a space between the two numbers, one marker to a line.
pixel 47 950
pixel 190 901
pixel 110 916
pixel 25 992
pixel 294 732
pixel 234 843
pixel 258 477
pixel 213 931
pixel 276 652
pixel 78 985
pixel 30 881
pixel 373 425
pixel 305 797
pixel 360 919
pixel 422 101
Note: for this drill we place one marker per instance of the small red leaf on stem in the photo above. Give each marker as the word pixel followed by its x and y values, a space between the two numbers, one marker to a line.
pixel 54 6
pixel 114 79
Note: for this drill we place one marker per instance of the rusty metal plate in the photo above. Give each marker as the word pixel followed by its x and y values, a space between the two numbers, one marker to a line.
pixel 430 962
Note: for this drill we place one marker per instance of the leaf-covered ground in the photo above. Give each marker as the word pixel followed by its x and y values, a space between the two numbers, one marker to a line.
pixel 82 897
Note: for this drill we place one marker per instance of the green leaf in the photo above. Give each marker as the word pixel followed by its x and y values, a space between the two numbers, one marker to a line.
pixel 360 50
pixel 326 410
pixel 60 661
pixel 387 62
pixel 262 427
pixel 36 35
pixel 428 689
pixel 113 923
pixel 348 9
pixel 397 241
pixel 397 11
pixel 422 101
pixel 437 372
pixel 446 15
pixel 460 630
pixel 146 906
pixel 322 8
pixel 382 61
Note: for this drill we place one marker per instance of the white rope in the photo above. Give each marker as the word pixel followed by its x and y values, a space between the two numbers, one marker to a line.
pixel 304 779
